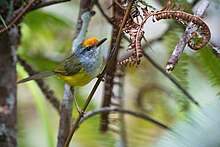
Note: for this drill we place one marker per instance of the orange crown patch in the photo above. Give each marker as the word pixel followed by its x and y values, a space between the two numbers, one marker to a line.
pixel 90 41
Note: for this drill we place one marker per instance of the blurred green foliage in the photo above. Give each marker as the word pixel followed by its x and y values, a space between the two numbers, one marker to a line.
pixel 46 40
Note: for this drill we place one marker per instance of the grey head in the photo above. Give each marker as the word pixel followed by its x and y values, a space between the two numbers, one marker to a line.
pixel 89 51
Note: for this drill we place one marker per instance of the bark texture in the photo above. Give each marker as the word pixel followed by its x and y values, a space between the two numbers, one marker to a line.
pixel 8 89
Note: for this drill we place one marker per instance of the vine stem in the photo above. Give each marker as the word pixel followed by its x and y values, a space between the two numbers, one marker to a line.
pixel 100 77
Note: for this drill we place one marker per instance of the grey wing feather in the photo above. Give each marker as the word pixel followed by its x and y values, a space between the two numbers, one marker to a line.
pixel 68 67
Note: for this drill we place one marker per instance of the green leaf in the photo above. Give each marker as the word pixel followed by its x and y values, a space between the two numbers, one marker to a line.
pixel 44 33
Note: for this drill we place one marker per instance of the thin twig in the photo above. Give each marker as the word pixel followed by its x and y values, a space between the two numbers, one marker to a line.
pixel 47 3
pixel 18 14
pixel 195 2
pixel 76 122
pixel 161 69
pixel 102 11
pixel 121 110
pixel 25 8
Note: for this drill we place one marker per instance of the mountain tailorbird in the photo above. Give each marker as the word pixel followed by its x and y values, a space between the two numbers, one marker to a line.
pixel 83 65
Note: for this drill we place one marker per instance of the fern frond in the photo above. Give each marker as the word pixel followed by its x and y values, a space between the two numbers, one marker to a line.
pixel 211 65
pixel 184 3
pixel 148 5
pixel 200 129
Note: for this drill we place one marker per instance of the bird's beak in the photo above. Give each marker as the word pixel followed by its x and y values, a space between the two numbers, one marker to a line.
pixel 101 42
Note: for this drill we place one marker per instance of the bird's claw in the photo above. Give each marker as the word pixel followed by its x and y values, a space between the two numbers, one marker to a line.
pixel 81 112
pixel 101 77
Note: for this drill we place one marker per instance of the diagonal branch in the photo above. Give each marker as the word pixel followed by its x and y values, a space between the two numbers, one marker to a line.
pixel 112 54
pixel 84 17
pixel 171 78
pixel 102 12
pixel 28 6
pixel 49 94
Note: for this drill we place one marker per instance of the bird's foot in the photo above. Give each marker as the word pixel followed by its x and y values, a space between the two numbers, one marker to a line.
pixel 101 77
pixel 81 112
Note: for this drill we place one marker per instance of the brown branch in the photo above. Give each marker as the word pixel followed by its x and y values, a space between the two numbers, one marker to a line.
pixel 47 3
pixel 67 104
pixel 25 8
pixel 48 93
pixel 8 88
pixel 100 77
pixel 118 14
pixel 121 110
pixel 96 2
pixel 18 14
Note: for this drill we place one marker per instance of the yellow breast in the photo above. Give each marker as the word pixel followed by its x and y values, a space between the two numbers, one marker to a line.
pixel 80 79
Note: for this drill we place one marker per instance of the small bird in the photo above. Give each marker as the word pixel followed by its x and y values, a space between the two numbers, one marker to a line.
pixel 83 65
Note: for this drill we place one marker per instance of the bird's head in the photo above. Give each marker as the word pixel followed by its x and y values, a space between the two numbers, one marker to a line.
pixel 90 47
pixel 93 42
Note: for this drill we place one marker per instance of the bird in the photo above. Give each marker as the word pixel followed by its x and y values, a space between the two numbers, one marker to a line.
pixel 79 68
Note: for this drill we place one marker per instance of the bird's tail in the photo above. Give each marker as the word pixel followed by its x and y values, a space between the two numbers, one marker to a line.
pixel 37 76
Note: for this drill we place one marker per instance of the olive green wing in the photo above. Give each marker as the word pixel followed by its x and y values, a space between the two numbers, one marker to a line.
pixel 70 66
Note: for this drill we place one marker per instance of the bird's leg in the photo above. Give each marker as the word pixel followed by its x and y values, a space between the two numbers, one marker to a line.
pixel 72 89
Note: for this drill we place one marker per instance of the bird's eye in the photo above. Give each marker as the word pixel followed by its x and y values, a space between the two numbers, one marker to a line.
pixel 88 48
